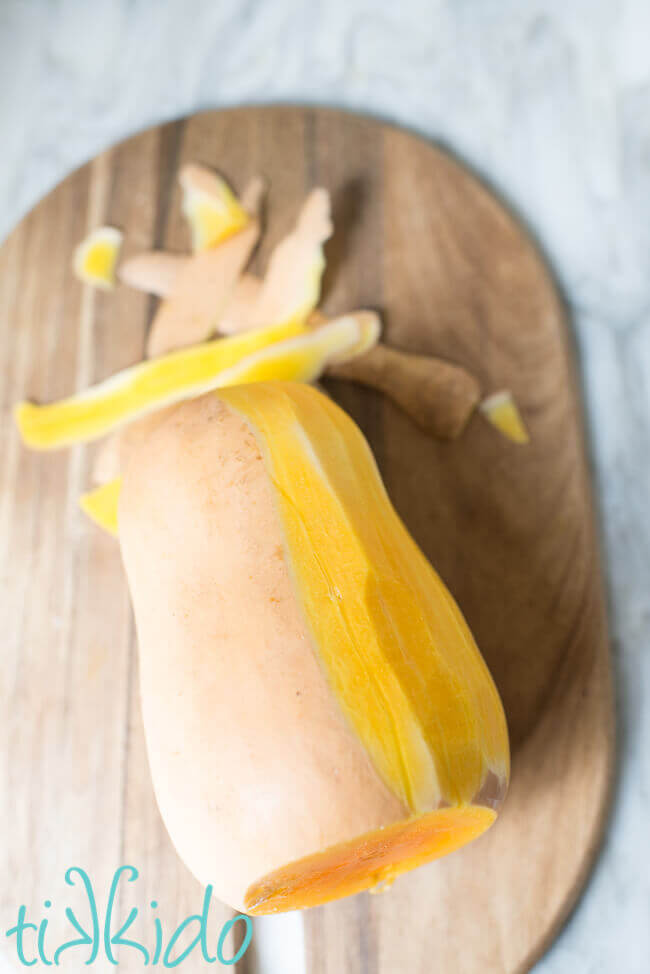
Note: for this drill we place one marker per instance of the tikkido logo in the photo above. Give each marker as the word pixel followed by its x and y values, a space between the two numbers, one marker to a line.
pixel 93 938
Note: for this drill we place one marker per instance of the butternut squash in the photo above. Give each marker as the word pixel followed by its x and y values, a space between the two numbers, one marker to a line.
pixel 318 716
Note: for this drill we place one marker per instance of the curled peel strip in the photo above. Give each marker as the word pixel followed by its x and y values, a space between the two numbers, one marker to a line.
pixel 140 389
pixel 299 359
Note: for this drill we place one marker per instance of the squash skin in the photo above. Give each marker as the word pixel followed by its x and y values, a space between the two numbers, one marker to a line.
pixel 254 761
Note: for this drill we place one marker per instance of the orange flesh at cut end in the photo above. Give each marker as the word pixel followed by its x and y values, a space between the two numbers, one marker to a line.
pixel 365 862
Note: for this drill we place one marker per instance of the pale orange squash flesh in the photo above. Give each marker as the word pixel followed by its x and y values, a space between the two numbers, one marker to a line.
pixel 373 859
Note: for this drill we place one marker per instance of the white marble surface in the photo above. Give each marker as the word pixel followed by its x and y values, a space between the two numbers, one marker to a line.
pixel 552 102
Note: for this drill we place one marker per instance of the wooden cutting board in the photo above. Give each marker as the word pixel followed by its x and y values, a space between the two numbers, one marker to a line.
pixel 511 529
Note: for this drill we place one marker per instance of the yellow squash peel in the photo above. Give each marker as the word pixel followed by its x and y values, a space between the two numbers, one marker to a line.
pixel 212 210
pixel 301 359
pixel 96 256
pixel 500 409
pixel 141 389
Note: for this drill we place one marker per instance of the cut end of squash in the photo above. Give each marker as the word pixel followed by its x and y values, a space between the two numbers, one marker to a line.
pixel 212 210
pixel 501 411
pixel 101 505
pixel 96 257
pixel 371 861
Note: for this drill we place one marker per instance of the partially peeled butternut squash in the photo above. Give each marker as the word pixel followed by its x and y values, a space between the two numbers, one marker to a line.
pixel 318 716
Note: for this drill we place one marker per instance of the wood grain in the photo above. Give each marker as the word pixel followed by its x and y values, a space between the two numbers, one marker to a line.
pixel 510 529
